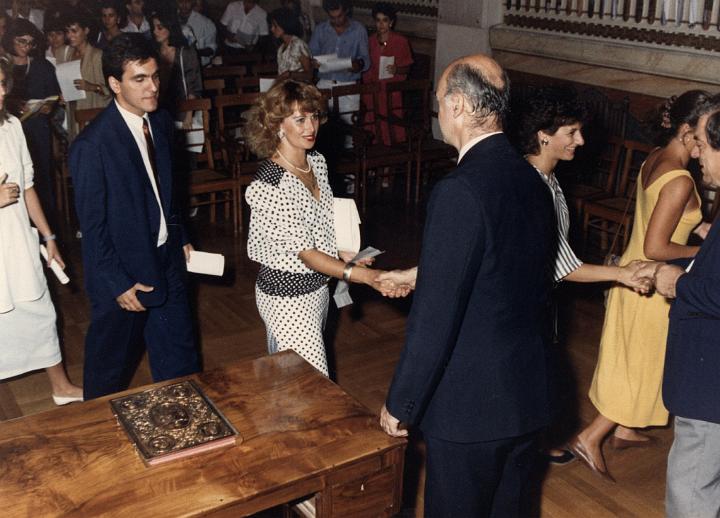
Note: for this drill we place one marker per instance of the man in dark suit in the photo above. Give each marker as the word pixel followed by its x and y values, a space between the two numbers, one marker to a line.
pixel 691 382
pixel 472 374
pixel 133 240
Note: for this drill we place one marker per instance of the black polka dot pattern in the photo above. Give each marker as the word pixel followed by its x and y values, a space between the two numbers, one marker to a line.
pixel 286 219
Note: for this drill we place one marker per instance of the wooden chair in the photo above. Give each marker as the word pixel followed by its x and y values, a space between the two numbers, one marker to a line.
pixel 372 152
pixel 63 178
pixel 236 154
pixel 265 69
pixel 209 185
pixel 213 87
pixel 616 213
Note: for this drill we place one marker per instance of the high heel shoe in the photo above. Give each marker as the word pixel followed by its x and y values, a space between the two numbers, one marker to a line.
pixel 578 449
pixel 618 443
pixel 65 400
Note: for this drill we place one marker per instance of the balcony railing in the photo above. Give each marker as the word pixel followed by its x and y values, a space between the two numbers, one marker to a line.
pixel 426 8
pixel 684 23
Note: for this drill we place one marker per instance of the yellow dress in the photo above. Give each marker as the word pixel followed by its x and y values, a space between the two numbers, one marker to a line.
pixel 627 384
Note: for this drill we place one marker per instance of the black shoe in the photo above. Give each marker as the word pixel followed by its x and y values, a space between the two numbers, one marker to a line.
pixel 565 458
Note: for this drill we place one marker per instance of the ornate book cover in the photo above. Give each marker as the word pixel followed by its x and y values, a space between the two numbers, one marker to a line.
pixel 172 422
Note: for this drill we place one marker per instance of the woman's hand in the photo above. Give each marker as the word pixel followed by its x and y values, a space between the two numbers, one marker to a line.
pixel 54 254
pixel 9 192
pixel 391 69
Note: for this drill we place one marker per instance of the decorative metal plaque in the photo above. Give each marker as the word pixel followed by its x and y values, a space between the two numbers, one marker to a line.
pixel 171 422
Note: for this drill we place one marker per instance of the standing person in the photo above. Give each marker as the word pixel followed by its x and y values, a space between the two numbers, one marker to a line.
pixel 690 381
pixel 293 54
pixel 626 385
pixel 136 21
pixel 133 240
pixel 77 28
pixel 179 68
pixel 472 374
pixel 292 234
pixel 27 316
pixel 58 51
pixel 548 129
pixel 112 18
pixel 4 21
pixel 244 22
pixel 203 31
pixel 346 38
pixel 387 43
pixel 34 78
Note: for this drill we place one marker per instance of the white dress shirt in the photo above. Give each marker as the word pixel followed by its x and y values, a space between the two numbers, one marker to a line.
pixel 205 34
pixel 254 23
pixel 135 124
pixel 474 141
pixel 131 27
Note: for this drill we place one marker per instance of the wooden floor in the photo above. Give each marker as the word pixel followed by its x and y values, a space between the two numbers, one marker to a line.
pixel 367 338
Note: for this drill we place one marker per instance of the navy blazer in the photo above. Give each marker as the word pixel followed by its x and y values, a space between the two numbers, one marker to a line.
pixel 117 208
pixel 691 382
pixel 474 363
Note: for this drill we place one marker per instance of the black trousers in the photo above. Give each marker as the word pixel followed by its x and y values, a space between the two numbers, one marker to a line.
pixel 113 341
pixel 480 479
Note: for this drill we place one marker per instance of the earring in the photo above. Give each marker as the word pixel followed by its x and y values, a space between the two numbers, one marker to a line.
pixel 281 134
pixel 544 142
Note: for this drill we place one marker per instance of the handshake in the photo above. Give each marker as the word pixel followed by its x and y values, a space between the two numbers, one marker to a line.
pixel 644 276
pixel 395 283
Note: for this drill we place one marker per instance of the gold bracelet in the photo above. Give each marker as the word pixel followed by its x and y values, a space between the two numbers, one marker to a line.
pixel 347 271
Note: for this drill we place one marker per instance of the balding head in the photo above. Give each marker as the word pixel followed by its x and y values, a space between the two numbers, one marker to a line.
pixel 484 86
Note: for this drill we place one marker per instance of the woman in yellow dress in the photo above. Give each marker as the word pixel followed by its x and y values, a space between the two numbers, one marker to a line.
pixel 626 386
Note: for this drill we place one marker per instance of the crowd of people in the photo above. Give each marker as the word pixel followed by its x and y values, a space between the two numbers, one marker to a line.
pixel 476 372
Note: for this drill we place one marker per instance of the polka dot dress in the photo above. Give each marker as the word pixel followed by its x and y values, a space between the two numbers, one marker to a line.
pixel 286 219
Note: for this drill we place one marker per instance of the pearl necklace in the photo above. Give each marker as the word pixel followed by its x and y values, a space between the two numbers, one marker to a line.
pixel 305 171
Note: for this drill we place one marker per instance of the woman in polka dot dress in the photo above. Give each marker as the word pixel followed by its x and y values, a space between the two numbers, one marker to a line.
pixel 292 234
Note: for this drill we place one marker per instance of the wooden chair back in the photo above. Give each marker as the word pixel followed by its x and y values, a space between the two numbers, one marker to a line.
pixel 206 156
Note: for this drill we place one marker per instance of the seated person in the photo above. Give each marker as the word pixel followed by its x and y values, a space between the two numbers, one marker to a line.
pixel 243 23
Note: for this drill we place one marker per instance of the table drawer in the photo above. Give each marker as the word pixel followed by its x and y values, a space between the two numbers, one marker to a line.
pixel 372 495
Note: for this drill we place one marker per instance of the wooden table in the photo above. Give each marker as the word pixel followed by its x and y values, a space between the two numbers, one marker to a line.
pixel 302 435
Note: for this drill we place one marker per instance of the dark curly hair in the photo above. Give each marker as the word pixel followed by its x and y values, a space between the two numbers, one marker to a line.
pixel 545 109
pixel 287 20
pixel 21 27
pixel 264 118
pixel 679 110
pixel 385 8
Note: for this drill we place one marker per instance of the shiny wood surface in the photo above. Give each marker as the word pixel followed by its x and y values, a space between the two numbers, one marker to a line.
pixel 300 434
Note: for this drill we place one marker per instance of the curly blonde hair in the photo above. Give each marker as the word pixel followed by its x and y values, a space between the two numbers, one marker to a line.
pixel 264 118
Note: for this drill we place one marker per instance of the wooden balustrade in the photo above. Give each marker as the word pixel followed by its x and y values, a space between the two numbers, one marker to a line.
pixel 684 23
pixel 427 8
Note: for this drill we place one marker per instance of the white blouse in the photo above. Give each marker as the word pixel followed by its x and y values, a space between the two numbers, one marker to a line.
pixel 286 219
pixel 21 273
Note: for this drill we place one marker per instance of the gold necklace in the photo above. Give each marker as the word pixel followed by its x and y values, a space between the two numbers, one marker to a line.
pixel 305 171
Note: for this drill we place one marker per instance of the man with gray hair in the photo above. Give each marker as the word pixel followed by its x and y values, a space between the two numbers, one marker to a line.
pixel 691 380
pixel 472 374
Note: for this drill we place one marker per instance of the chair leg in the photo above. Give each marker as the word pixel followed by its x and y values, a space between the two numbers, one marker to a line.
pixel 586 224
pixel 418 179
pixel 213 201
pixel 408 180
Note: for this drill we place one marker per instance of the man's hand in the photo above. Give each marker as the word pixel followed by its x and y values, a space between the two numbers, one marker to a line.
pixel 666 279
pixel 129 301
pixel 389 288
pixel 390 424
pixel 401 277
pixel 187 249
pixel 645 269
pixel 9 192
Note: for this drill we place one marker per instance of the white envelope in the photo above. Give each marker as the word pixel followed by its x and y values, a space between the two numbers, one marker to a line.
pixel 207 263
pixel 347 225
